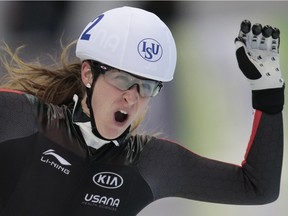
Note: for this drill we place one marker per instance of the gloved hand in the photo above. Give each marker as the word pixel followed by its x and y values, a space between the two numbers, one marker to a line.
pixel 257 52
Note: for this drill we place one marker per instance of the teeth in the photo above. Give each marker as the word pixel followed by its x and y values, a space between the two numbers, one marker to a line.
pixel 123 112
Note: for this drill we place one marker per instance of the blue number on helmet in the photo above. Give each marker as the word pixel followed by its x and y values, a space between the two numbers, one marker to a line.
pixel 86 35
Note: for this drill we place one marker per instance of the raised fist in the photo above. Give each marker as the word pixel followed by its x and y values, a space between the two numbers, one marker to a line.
pixel 257 52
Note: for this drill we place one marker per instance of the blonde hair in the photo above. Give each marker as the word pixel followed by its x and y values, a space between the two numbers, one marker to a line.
pixel 55 83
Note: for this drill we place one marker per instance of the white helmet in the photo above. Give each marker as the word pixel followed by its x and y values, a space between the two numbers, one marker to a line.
pixel 130 39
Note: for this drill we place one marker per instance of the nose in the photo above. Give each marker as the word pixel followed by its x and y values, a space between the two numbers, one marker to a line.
pixel 131 95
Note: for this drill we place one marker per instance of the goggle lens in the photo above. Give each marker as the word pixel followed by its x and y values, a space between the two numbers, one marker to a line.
pixel 124 81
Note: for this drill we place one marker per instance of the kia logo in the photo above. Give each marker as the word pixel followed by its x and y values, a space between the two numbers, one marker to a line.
pixel 108 180
pixel 150 50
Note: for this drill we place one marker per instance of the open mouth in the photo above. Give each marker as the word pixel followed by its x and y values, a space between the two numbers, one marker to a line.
pixel 121 116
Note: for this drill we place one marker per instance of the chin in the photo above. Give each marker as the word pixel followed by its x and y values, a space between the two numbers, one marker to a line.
pixel 112 135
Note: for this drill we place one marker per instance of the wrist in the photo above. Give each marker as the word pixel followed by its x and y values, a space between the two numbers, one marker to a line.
pixel 268 100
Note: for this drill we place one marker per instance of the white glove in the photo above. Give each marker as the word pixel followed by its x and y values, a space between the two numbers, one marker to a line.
pixel 257 52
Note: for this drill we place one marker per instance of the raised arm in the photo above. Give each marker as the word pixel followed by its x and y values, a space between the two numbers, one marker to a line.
pixel 172 170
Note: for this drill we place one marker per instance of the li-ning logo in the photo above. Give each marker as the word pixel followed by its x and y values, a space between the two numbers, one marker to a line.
pixel 150 50
pixel 61 163
pixel 108 180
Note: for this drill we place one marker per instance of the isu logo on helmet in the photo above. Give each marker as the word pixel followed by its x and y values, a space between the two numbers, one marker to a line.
pixel 150 50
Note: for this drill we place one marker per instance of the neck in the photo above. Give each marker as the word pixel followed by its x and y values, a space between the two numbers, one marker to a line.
pixel 84 106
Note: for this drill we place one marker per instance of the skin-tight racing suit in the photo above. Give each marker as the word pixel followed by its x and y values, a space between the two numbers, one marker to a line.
pixel 47 168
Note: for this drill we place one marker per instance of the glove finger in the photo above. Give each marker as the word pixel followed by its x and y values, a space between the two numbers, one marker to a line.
pixel 245 28
pixel 256 36
pixel 276 33
pixel 257 29
pixel 275 40
pixel 265 40
pixel 267 31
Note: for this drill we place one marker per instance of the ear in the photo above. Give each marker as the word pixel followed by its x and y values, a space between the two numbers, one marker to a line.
pixel 86 74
